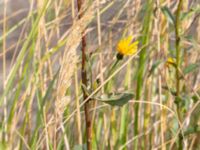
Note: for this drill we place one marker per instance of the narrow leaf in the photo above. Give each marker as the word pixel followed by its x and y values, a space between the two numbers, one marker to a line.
pixel 117 99
pixel 190 68
pixel 166 11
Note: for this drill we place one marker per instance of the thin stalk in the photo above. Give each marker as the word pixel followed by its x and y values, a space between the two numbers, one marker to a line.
pixel 142 61
pixel 94 104
pixel 124 111
pixel 113 124
pixel 113 68
pixel 78 117
pixel 178 49
pixel 84 82
pixel 127 83
pixel 158 38
pixel 99 42
pixel 76 87
pixel 177 28
pixel 5 138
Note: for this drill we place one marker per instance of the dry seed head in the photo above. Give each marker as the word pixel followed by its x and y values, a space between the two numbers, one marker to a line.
pixel 70 58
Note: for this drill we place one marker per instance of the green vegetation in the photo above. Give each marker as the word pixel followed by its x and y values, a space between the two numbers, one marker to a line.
pixel 101 75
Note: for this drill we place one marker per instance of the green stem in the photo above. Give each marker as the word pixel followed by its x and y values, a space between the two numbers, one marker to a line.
pixel 142 61
pixel 177 28
pixel 113 68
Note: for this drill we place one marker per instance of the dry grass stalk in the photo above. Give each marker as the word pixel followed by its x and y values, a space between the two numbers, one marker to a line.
pixel 70 58
pixel 67 68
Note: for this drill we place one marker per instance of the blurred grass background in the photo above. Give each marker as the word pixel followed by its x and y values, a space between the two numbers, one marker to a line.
pixel 41 61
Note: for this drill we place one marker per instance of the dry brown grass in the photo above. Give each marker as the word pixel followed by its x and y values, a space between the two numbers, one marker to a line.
pixel 41 98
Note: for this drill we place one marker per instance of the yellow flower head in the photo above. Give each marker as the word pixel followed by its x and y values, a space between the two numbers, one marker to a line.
pixel 126 47
pixel 170 61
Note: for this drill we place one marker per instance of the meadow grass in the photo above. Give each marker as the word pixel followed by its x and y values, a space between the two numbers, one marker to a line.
pixel 66 85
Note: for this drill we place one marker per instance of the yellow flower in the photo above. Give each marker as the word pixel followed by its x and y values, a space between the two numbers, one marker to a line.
pixel 126 47
pixel 170 61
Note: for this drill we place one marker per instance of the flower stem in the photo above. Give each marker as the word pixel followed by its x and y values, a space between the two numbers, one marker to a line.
pixel 113 67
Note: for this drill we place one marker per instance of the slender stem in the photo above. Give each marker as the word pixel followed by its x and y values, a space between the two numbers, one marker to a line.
pixel 113 68
pixel 142 63
pixel 84 82
pixel 4 69
pixel 177 28
pixel 76 87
